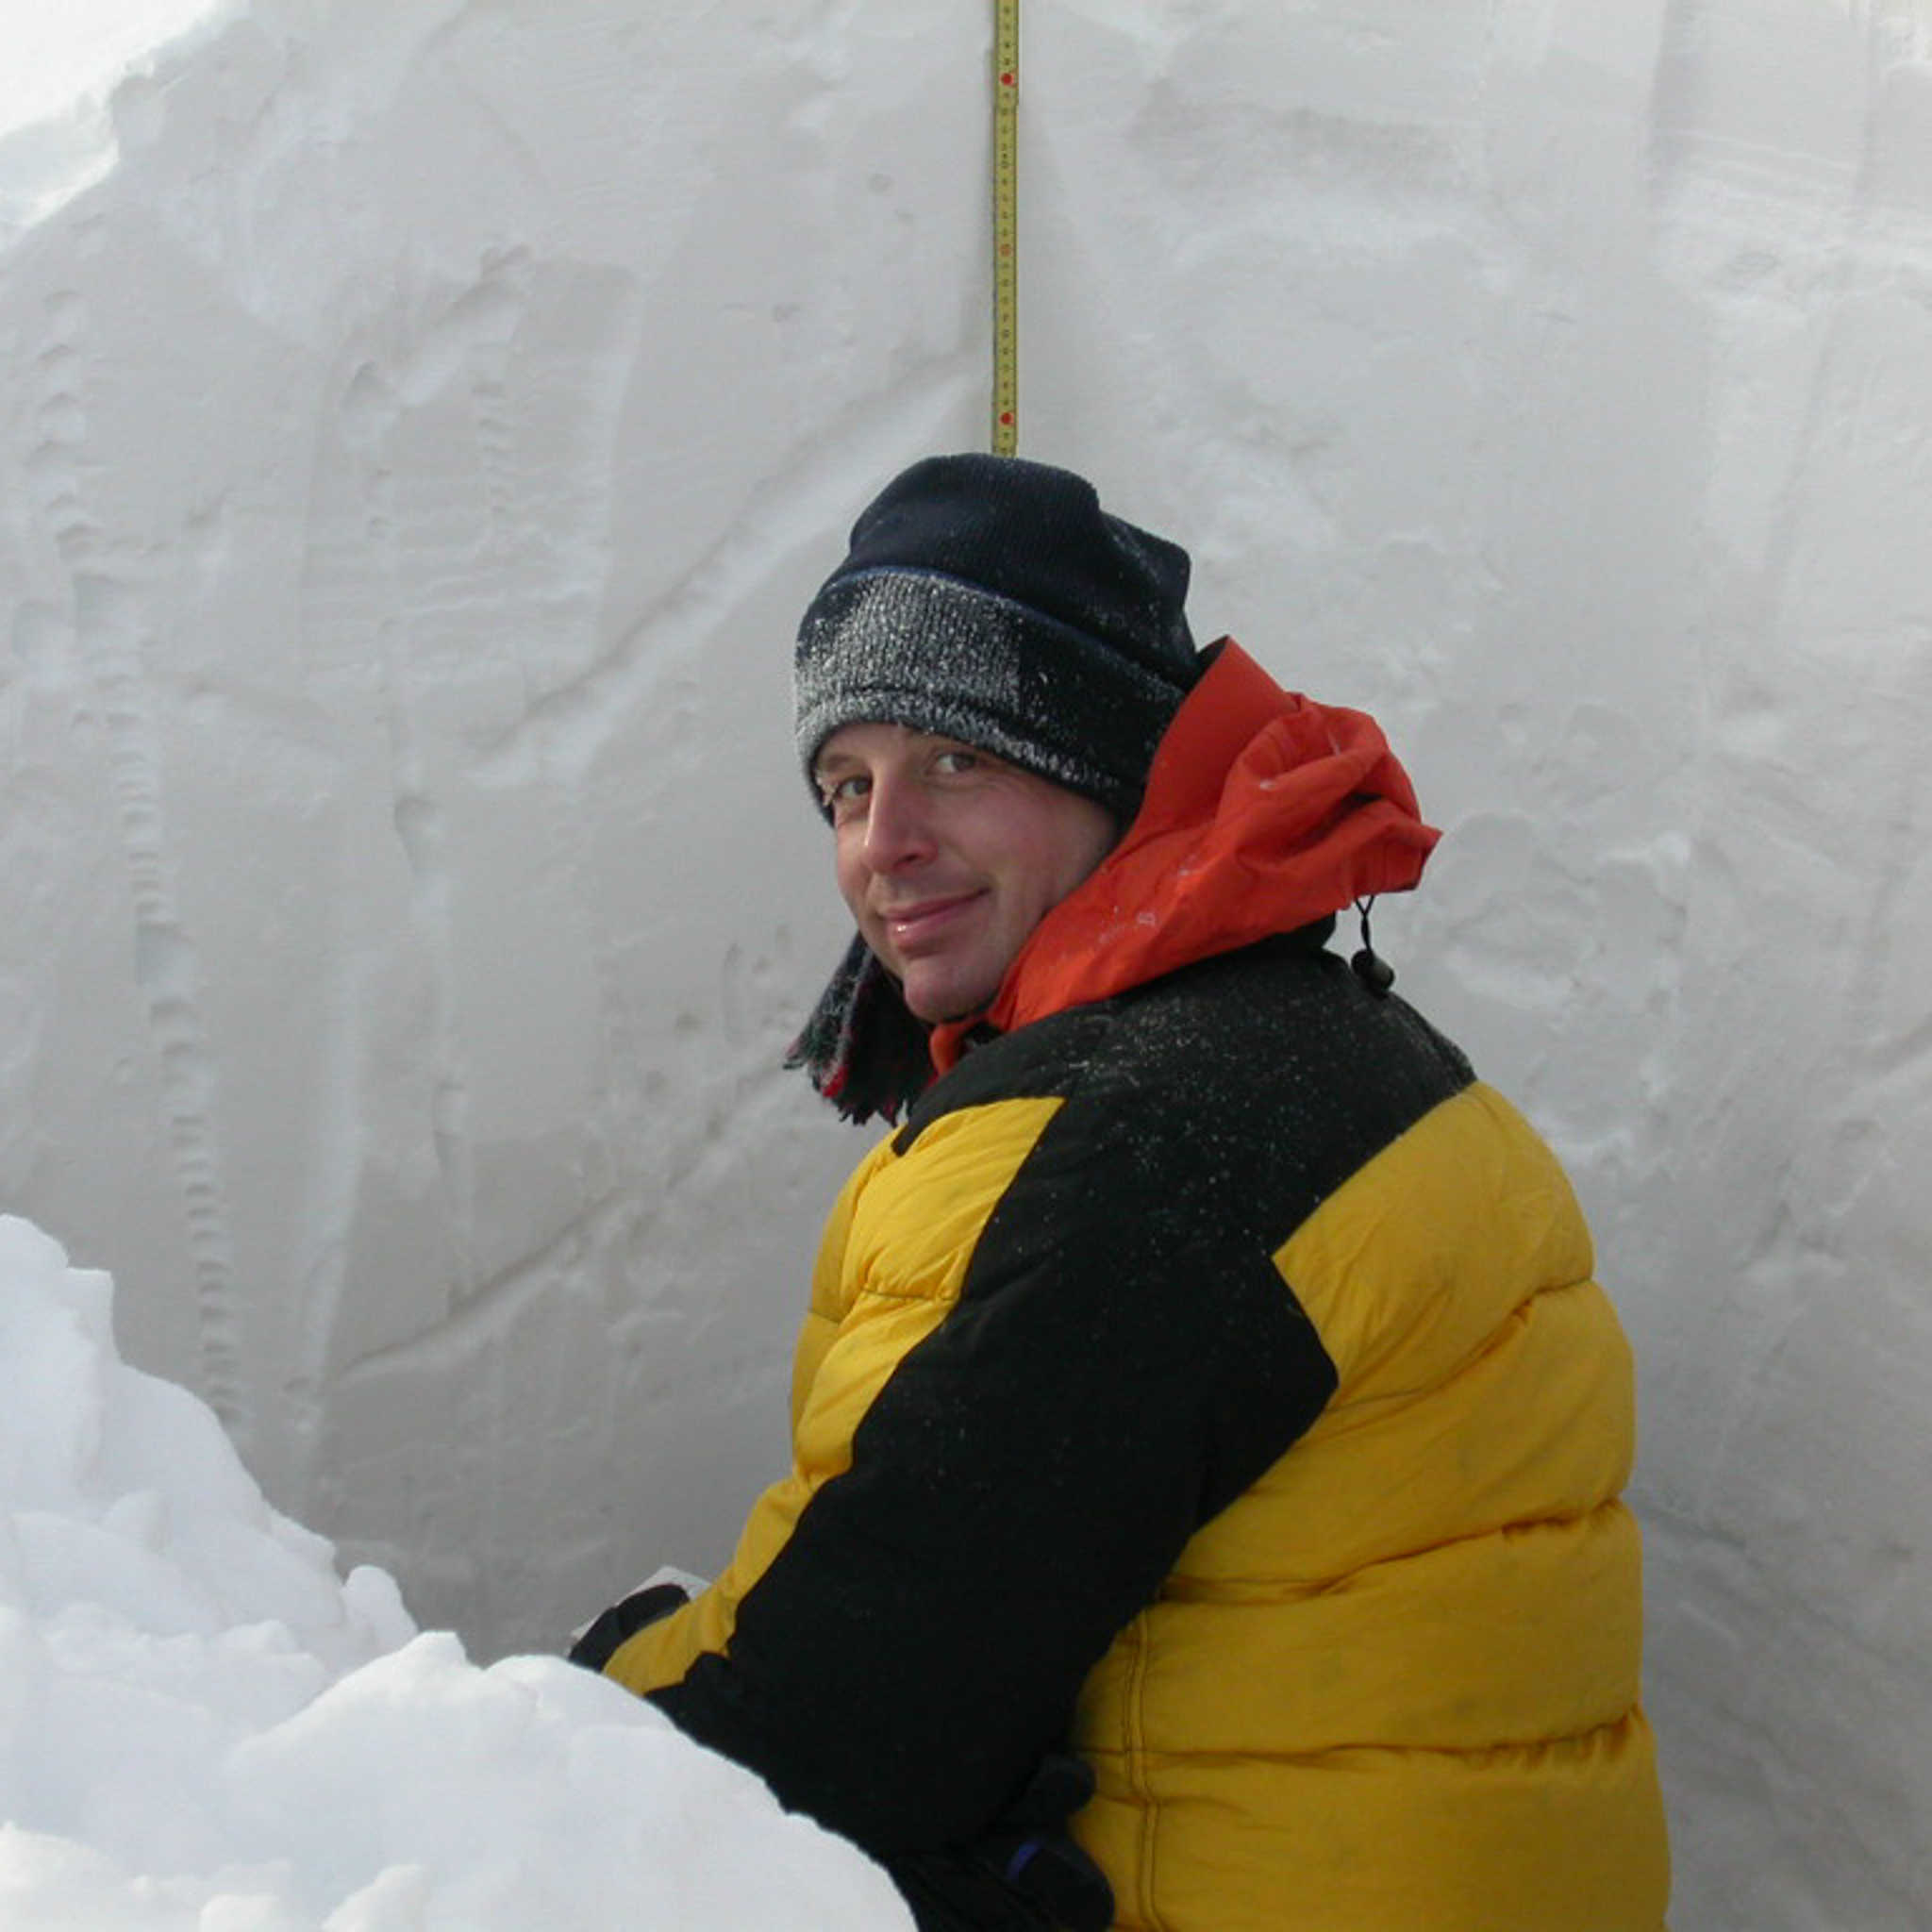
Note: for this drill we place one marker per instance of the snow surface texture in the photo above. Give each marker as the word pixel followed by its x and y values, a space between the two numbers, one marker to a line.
pixel 425 423
pixel 203 1730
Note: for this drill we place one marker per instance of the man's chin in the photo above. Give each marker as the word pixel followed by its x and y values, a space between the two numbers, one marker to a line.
pixel 941 1003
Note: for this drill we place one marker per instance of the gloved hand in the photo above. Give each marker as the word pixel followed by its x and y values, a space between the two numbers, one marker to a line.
pixel 1023 1874
pixel 1037 1855
pixel 599 1641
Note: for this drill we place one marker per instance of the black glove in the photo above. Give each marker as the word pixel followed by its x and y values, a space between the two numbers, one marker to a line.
pixel 599 1642
pixel 1023 1874
pixel 1036 1853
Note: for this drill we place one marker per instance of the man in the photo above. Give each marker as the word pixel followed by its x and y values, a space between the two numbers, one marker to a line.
pixel 1206 1374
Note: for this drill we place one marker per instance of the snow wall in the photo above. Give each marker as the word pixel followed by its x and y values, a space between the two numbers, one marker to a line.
pixel 423 427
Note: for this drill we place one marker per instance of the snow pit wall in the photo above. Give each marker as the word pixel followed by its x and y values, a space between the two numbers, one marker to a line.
pixel 426 426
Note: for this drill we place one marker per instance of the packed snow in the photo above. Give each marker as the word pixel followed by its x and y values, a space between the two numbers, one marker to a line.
pixel 204 1729
pixel 423 426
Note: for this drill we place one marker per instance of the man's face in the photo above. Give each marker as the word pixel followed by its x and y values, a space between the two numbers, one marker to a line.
pixel 949 856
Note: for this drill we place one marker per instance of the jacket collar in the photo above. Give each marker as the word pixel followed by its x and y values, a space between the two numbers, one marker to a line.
pixel 1264 811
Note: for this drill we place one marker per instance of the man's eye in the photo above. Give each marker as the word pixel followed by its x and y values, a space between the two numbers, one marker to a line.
pixel 843 794
pixel 953 761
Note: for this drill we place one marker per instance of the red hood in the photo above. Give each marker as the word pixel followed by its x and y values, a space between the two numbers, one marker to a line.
pixel 1264 811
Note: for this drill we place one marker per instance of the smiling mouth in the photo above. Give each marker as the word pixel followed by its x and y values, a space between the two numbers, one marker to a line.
pixel 932 919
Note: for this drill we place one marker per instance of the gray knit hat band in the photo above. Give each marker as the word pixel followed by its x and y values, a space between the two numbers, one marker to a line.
pixel 934 654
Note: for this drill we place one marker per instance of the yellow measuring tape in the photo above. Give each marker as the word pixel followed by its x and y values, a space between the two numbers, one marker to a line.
pixel 1006 227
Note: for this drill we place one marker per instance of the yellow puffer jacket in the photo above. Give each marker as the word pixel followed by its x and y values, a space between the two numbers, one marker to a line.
pixel 1216 1372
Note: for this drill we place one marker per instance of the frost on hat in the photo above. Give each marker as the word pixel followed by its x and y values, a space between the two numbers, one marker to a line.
pixel 992 600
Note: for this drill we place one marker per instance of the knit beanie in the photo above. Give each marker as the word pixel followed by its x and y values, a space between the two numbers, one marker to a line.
pixel 991 600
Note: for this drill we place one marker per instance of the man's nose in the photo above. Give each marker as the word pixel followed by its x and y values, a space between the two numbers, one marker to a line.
pixel 898 826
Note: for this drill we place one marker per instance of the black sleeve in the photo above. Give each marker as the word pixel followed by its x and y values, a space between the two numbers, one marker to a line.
pixel 1124 1360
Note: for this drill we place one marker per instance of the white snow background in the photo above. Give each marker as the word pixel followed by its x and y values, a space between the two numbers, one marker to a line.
pixel 423 426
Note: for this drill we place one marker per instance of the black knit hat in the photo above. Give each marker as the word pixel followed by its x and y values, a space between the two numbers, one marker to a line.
pixel 992 600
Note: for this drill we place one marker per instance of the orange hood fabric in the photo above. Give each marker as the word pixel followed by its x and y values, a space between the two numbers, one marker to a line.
pixel 1264 811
